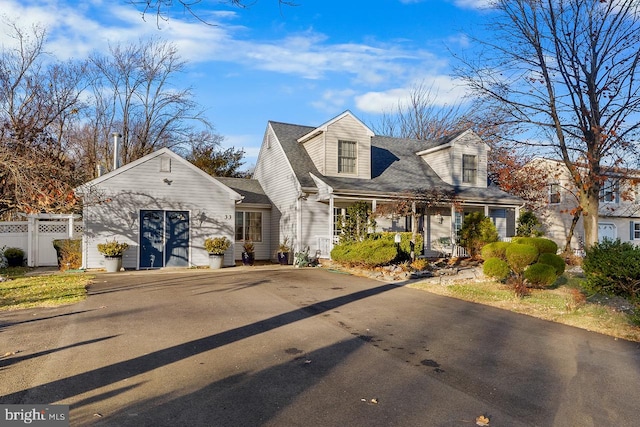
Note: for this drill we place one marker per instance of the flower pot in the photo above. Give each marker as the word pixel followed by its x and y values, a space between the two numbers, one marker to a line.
pixel 215 261
pixel 283 258
pixel 248 258
pixel 112 264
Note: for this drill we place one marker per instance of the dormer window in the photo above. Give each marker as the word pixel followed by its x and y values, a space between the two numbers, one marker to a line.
pixel 347 156
pixel 469 168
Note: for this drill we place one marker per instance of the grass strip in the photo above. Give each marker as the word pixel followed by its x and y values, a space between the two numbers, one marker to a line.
pixel 43 291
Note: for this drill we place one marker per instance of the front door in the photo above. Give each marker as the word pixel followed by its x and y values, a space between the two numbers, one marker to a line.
pixel 164 239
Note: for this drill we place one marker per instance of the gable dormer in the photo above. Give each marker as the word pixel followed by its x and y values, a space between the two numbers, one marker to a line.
pixel 460 160
pixel 341 147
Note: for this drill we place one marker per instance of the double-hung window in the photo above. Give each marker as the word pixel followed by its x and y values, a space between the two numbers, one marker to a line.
pixel 469 168
pixel 554 194
pixel 610 191
pixel 249 226
pixel 347 156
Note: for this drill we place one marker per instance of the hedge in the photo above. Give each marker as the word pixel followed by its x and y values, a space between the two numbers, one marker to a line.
pixel 544 246
pixel 539 275
pixel 519 256
pixel 496 268
pixel 368 253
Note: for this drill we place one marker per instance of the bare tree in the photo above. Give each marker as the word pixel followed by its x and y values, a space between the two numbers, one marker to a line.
pixel 133 95
pixel 567 72
pixel 161 8
pixel 39 100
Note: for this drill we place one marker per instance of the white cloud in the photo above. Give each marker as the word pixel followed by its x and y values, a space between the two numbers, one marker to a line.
pixel 332 101
pixel 443 89
pixel 475 4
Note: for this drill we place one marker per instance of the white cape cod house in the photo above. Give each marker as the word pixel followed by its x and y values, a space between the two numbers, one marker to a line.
pixel 305 177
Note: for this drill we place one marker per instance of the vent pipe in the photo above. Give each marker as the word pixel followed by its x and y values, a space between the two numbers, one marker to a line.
pixel 116 150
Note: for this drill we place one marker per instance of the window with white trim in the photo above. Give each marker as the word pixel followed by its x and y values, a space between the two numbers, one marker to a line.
pixel 610 191
pixel 469 168
pixel 635 231
pixel 249 226
pixel 554 194
pixel 347 156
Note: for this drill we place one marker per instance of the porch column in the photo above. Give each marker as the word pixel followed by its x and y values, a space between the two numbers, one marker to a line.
pixel 486 211
pixel 331 224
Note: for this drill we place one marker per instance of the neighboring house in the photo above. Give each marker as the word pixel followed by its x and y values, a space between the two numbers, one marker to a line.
pixel 164 207
pixel 312 174
pixel 619 209
pixel 304 180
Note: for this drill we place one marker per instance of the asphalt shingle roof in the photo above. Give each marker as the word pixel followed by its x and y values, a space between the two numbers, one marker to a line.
pixel 395 167
pixel 249 188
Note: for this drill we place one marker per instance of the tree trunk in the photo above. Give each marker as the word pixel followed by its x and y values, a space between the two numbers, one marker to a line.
pixel 590 202
pixel 574 222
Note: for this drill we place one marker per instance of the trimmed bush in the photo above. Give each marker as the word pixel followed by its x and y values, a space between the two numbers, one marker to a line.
pixel 496 268
pixel 519 256
pixel 554 261
pixel 613 268
pixel 368 253
pixel 477 230
pixel 14 256
pixel 69 253
pixel 544 246
pixel 495 250
pixel 405 243
pixel 540 275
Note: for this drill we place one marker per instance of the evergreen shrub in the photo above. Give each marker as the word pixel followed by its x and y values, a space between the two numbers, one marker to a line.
pixel 613 268
pixel 495 250
pixel 14 256
pixel 540 275
pixel 544 246
pixel 496 268
pixel 555 261
pixel 405 243
pixel 519 256
pixel 368 253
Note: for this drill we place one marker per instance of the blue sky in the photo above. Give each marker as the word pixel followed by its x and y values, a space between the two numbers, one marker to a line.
pixel 303 64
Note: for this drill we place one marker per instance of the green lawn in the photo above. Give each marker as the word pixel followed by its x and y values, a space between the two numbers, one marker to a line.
pixel 41 291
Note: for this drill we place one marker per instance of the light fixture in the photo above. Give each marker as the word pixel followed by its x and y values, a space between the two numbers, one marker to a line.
pixel 439 218
pixel 167 181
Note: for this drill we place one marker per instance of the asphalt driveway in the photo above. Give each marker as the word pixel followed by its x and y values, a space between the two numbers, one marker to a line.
pixel 279 346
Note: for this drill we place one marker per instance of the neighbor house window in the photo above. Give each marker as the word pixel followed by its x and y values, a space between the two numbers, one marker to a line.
pixel 469 168
pixel 347 156
pixel 249 226
pixel 635 230
pixel 554 194
pixel 610 191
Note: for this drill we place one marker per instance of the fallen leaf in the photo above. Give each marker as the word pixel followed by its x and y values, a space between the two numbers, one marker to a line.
pixel 363 400
pixel 97 414
pixel 482 421
pixel 374 401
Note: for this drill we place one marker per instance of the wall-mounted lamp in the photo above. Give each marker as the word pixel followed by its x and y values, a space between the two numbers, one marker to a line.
pixel 439 218
pixel 167 181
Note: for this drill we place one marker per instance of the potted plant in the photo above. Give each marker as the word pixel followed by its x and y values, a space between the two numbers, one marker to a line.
pixel 248 253
pixel 283 252
pixel 112 251
pixel 216 247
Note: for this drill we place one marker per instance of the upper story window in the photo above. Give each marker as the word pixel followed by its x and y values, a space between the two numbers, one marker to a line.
pixel 554 194
pixel 610 191
pixel 469 168
pixel 347 156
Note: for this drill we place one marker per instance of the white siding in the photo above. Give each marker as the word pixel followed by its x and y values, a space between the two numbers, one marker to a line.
pixel 350 129
pixel 263 250
pixel 278 181
pixel 315 218
pixel 447 162
pixel 143 187
pixel 316 148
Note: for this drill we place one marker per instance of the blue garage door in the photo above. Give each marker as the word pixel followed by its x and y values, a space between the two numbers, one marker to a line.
pixel 164 239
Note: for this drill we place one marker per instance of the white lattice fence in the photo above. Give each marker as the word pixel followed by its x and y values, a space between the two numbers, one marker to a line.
pixel 36 235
